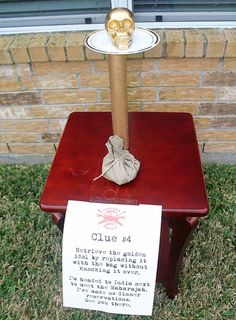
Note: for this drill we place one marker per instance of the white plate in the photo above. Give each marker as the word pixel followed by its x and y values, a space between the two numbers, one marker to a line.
pixel 143 39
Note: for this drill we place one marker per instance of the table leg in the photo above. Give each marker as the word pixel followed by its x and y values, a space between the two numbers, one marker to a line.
pixel 164 248
pixel 182 229
pixel 59 219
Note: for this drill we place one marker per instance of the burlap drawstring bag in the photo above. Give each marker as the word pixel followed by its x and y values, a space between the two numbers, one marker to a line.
pixel 118 165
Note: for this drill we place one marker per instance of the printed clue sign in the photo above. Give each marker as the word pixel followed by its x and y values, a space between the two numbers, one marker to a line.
pixel 110 255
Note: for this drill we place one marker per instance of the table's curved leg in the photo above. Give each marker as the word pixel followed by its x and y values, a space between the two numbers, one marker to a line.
pixel 182 229
pixel 58 219
pixel 162 269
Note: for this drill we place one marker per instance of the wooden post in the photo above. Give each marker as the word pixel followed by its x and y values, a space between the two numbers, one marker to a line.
pixel 119 102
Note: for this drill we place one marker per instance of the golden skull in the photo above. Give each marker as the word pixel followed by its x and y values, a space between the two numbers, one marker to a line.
pixel 120 26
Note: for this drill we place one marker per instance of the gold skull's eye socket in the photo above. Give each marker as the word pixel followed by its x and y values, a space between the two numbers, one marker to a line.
pixel 113 24
pixel 127 23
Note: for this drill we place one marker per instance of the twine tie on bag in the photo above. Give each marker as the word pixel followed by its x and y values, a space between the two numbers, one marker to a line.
pixel 112 164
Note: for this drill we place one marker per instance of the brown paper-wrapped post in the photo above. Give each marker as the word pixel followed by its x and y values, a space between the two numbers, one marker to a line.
pixel 119 165
pixel 119 103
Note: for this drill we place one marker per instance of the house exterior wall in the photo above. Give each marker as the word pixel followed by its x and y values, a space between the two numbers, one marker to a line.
pixel 45 77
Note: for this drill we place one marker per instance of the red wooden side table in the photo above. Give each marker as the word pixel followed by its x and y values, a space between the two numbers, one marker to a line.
pixel 170 175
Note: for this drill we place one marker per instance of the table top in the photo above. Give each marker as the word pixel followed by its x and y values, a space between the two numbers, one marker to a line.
pixel 164 143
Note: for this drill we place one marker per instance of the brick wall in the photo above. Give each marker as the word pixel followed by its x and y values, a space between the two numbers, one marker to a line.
pixel 45 77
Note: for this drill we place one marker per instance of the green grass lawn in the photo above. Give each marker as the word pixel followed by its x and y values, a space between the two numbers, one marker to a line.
pixel 30 266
